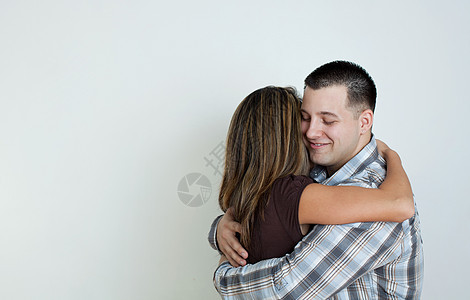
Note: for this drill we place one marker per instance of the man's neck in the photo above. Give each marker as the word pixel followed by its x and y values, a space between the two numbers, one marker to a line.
pixel 363 141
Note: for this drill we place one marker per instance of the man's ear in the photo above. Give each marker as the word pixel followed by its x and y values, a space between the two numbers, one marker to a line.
pixel 365 120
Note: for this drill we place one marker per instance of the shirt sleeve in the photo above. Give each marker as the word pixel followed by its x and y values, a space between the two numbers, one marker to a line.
pixel 326 261
pixel 286 195
pixel 212 237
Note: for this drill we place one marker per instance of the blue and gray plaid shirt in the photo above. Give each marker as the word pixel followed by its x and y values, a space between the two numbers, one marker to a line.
pixel 372 260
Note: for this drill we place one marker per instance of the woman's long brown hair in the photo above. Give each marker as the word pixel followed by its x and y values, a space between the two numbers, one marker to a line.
pixel 264 143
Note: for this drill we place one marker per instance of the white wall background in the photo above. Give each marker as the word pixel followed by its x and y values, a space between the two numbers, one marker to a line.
pixel 106 105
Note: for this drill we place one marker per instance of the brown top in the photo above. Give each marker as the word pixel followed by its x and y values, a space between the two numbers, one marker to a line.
pixel 279 232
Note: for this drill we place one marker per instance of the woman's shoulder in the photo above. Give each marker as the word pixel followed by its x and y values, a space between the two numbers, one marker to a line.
pixel 291 183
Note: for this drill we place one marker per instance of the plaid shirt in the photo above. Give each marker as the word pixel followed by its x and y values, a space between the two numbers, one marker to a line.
pixel 371 260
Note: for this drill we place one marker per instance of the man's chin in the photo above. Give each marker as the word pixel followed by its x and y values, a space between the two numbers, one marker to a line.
pixel 318 160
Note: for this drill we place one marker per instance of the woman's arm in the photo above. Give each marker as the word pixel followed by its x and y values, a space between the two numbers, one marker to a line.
pixel 392 201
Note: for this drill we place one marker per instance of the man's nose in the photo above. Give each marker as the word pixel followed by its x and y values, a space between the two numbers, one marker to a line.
pixel 314 130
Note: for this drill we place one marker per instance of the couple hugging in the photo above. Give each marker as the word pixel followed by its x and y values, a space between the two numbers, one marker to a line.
pixel 315 207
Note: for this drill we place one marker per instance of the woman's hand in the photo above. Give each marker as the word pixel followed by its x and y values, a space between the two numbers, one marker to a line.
pixel 382 147
pixel 396 180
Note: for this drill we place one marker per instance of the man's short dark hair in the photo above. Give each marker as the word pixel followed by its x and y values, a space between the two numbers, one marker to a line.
pixel 362 93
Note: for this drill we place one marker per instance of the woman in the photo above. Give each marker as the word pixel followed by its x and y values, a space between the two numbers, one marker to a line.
pixel 266 187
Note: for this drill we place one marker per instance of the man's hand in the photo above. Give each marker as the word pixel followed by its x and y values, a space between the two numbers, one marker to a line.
pixel 228 242
pixel 222 259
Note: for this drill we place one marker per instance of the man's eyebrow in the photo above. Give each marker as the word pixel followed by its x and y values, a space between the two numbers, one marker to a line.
pixel 327 113
pixel 323 113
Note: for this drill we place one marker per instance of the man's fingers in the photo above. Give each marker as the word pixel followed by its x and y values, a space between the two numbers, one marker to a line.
pixel 234 243
pixel 233 263
pixel 228 241
pixel 238 248
pixel 232 256
pixel 232 248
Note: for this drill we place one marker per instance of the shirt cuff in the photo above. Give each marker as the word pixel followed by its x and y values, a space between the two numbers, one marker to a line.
pixel 213 234
pixel 219 273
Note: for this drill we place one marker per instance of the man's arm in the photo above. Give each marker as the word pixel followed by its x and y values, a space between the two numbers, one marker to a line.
pixel 212 237
pixel 327 260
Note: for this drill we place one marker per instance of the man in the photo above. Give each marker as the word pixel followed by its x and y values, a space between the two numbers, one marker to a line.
pixel 374 260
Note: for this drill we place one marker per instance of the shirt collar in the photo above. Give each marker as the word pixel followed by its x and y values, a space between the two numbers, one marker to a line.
pixel 357 164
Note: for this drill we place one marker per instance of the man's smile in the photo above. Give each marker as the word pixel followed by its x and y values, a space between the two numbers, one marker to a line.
pixel 317 145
